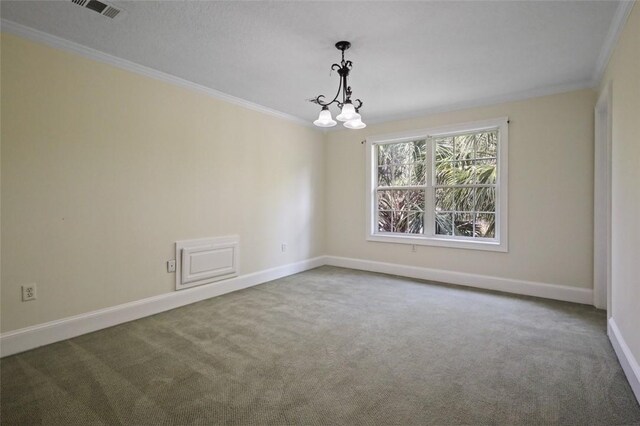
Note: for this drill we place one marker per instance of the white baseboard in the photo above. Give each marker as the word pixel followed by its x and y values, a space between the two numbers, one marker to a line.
pixel 54 331
pixel 529 288
pixel 627 360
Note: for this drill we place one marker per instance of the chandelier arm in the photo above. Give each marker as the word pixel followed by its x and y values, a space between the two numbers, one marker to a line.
pixel 337 93
pixel 319 102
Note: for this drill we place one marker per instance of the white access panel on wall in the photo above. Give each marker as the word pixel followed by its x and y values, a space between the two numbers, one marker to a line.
pixel 206 260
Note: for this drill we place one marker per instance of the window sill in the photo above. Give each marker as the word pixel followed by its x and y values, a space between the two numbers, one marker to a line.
pixel 439 242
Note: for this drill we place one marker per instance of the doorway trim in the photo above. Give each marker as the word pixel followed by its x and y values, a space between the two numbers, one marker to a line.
pixel 602 201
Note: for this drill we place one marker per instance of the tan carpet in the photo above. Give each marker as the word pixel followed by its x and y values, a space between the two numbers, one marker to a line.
pixel 332 346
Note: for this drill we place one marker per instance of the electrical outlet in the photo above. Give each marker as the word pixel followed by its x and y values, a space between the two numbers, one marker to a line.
pixel 171 265
pixel 284 247
pixel 28 292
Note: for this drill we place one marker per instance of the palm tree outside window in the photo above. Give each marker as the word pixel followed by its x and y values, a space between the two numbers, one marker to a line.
pixel 442 186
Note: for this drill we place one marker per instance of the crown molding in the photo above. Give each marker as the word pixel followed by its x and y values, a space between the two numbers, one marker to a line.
pixel 490 101
pixel 610 42
pixel 622 13
pixel 87 52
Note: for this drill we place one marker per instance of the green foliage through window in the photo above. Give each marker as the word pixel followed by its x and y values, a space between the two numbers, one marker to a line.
pixel 401 165
pixel 462 185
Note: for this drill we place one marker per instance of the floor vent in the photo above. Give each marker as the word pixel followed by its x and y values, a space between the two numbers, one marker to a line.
pixel 100 7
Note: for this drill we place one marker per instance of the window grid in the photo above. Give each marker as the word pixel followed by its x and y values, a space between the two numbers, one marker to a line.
pixel 408 217
pixel 430 211
pixel 470 153
pixel 395 217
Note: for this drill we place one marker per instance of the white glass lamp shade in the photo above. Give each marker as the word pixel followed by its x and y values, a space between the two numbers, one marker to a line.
pixel 348 112
pixel 355 124
pixel 324 119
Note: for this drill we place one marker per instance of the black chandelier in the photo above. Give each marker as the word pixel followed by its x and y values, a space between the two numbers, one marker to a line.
pixel 349 112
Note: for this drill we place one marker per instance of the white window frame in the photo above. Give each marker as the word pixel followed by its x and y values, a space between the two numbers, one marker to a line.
pixel 429 238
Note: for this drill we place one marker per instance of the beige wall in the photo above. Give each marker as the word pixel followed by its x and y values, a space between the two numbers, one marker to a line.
pixel 103 170
pixel 624 74
pixel 550 194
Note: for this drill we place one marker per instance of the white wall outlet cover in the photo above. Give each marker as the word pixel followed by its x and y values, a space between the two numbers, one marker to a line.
pixel 171 265
pixel 28 292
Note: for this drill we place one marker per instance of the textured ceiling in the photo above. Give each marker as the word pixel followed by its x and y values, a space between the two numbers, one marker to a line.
pixel 408 57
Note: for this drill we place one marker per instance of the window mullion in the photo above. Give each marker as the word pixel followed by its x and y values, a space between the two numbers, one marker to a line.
pixel 374 195
pixel 429 214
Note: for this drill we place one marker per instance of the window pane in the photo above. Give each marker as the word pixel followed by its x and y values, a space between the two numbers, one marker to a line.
pixel 420 151
pixel 407 222
pixel 445 199
pixel 419 174
pixel 384 175
pixel 486 225
pixel 487 144
pixel 402 175
pixel 444 149
pixel 415 223
pixel 444 224
pixel 454 173
pixel 406 152
pixel 385 200
pixel 415 174
pixel 399 175
pixel 464 199
pixel 465 173
pixel 463 224
pixel 445 173
pixel 384 155
pixel 413 200
pixel 402 221
pixel 384 221
pixel 401 200
pixel 485 200
pixel 464 146
pixel 485 172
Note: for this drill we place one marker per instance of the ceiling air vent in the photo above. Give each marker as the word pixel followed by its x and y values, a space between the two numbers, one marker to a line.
pixel 100 7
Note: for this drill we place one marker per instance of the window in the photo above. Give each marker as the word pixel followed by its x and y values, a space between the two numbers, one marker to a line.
pixel 442 187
